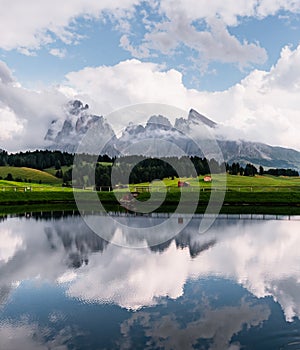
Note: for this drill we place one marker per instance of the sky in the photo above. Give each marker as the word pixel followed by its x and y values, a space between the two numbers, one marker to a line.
pixel 235 61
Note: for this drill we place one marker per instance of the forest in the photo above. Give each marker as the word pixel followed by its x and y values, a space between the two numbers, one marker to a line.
pixel 128 169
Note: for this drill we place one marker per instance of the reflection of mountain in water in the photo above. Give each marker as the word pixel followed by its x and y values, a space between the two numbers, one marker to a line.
pixel 78 242
pixel 240 250
pixel 184 240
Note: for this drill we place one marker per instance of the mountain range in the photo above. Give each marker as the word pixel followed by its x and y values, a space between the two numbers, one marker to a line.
pixel 158 133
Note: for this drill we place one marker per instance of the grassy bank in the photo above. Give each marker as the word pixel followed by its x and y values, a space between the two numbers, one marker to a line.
pixel 287 203
pixel 263 195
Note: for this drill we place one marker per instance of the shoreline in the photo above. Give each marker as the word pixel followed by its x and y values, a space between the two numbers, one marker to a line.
pixel 248 203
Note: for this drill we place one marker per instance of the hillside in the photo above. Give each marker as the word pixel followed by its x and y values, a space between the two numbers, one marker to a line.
pixel 29 174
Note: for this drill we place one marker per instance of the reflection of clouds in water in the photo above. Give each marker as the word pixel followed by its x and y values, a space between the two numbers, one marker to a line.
pixel 4 294
pixel 35 258
pixel 263 256
pixel 31 337
pixel 10 243
pixel 132 278
pixel 257 255
pixel 217 326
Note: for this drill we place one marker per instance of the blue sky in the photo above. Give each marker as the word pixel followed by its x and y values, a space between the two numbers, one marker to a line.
pixel 215 56
pixel 100 45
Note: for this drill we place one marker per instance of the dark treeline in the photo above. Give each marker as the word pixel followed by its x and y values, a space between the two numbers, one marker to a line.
pixel 43 159
pixel 37 159
pixel 281 172
pixel 150 169
pixel 137 169
pixel 251 170
pixel 128 169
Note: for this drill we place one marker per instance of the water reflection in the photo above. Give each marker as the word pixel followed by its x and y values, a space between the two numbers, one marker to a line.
pixel 194 291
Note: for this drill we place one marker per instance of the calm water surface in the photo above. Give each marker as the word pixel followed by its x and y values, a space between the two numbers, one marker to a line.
pixel 235 287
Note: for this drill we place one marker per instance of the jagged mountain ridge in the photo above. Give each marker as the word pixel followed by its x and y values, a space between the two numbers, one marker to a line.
pixel 66 134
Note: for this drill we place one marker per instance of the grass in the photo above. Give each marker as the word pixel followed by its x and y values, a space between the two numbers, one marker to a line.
pixel 236 183
pixel 29 174
pixel 259 194
pixel 52 171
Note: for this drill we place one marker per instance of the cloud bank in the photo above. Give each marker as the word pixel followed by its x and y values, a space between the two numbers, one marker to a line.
pixel 263 107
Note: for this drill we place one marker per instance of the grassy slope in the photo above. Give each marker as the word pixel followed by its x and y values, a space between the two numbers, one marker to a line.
pixel 28 173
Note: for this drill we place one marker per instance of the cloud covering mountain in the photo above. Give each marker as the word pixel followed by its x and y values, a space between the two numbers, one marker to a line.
pixel 263 107
pixel 191 135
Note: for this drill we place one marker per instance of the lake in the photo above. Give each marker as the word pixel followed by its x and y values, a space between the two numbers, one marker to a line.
pixel 235 286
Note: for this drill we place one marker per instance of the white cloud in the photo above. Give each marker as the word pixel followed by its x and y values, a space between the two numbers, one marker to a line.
pixel 10 125
pixel 230 12
pixel 60 53
pixel 127 83
pixel 213 44
pixel 28 26
pixel 6 76
pixel 32 24
pixel 263 107
pixel 179 25
pixel 25 115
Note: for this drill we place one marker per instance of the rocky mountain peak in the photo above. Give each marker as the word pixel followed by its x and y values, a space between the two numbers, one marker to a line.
pixel 76 107
pixel 159 120
pixel 66 133
pixel 197 118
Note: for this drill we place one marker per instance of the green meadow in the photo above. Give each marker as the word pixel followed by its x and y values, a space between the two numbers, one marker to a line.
pixel 258 194
pixel 232 183
pixel 30 175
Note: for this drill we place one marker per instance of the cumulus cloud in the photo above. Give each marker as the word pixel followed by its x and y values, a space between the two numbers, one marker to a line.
pixel 10 125
pixel 25 115
pixel 203 28
pixel 30 25
pixel 6 76
pixel 212 44
pixel 229 12
pixel 58 53
pixel 262 107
